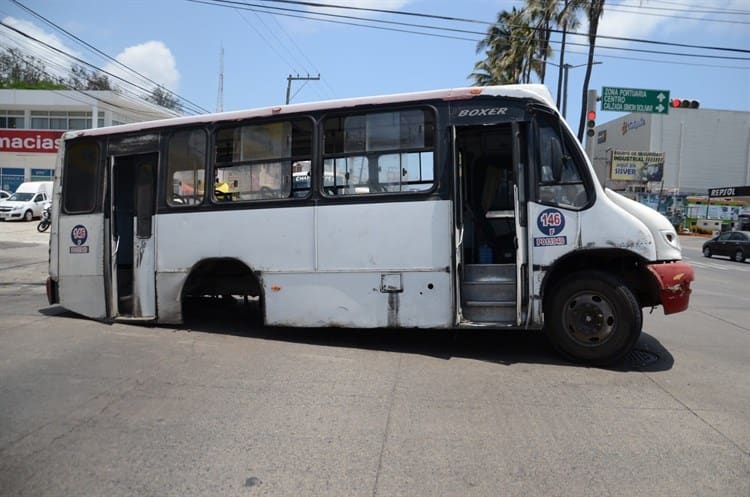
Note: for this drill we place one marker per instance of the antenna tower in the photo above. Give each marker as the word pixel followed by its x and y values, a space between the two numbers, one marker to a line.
pixel 220 95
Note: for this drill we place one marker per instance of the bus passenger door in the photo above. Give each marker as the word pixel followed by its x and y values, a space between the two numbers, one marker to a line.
pixel 488 228
pixel 132 262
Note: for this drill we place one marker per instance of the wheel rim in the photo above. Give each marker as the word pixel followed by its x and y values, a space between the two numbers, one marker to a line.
pixel 738 256
pixel 589 319
pixel 707 252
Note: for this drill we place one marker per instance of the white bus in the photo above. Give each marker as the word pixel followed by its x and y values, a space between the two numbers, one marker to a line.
pixel 472 207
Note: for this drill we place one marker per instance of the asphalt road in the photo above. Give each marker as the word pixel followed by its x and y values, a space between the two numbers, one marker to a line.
pixel 94 409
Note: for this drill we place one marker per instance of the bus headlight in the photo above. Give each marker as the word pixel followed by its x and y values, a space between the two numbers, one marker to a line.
pixel 670 236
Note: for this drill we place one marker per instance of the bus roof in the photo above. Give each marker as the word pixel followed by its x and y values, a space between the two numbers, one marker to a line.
pixel 530 91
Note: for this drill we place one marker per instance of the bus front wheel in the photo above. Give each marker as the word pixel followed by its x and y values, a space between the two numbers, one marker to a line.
pixel 592 317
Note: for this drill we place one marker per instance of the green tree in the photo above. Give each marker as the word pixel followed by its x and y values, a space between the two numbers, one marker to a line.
pixel 543 16
pixel 509 47
pixel 82 79
pixel 24 71
pixel 164 98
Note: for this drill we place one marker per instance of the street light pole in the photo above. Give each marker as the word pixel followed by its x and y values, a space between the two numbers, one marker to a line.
pixel 565 68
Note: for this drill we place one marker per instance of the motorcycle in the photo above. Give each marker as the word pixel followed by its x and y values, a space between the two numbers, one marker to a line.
pixel 46 219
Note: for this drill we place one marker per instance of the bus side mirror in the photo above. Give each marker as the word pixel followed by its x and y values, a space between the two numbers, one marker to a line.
pixel 556 159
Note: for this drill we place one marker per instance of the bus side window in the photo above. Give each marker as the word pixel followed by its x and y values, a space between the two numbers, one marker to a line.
pixel 379 152
pixel 80 177
pixel 560 179
pixel 263 161
pixel 186 168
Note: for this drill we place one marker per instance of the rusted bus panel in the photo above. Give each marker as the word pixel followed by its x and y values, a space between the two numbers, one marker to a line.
pixel 357 300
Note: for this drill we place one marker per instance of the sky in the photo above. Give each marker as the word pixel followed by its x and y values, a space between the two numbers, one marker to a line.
pixel 179 44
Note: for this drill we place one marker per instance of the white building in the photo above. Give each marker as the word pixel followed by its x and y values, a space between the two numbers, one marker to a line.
pixel 32 122
pixel 703 148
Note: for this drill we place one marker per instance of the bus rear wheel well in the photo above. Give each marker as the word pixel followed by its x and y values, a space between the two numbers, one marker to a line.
pixel 625 266
pixel 221 277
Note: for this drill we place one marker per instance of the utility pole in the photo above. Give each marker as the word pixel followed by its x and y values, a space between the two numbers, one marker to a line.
pixel 291 78
pixel 220 94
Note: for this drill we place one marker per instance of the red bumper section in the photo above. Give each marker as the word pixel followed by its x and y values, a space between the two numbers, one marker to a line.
pixel 674 284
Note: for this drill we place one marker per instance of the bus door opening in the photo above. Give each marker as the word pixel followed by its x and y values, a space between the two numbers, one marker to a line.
pixel 133 254
pixel 487 218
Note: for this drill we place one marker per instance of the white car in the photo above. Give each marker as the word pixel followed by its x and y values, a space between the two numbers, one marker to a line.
pixel 28 201
pixel 23 205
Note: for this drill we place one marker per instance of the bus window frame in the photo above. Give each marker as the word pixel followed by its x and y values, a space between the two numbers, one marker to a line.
pixel 435 149
pixel 569 149
pixel 165 181
pixel 97 191
pixel 212 164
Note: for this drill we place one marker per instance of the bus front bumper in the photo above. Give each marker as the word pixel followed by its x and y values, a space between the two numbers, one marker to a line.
pixel 674 280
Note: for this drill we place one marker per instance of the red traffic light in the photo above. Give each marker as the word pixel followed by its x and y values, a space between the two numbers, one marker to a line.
pixel 684 103
pixel 591 116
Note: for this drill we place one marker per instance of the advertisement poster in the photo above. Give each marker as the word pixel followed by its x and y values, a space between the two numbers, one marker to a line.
pixel 637 166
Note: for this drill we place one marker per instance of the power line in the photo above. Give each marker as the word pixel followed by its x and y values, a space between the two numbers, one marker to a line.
pixel 289 37
pixel 103 54
pixel 308 17
pixel 692 7
pixel 247 6
pixel 87 93
pixel 624 9
pixel 77 59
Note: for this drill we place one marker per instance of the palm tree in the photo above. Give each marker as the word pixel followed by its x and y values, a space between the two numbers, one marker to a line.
pixel 594 11
pixel 543 16
pixel 509 47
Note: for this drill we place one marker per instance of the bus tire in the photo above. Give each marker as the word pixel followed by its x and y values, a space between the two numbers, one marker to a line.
pixel 593 318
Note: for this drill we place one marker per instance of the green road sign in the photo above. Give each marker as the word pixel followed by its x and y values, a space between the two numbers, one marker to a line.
pixel 635 100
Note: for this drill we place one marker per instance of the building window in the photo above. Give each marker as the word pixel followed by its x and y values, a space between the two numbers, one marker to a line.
pixel 12 119
pixel 62 120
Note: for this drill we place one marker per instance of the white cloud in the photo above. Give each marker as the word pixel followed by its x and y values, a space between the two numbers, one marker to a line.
pixel 152 59
pixel 55 63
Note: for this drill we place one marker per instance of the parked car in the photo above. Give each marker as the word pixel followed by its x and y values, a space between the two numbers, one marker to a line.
pixel 4 195
pixel 27 202
pixel 733 244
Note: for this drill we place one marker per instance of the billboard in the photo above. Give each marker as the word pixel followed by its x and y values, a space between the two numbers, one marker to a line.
pixel 637 166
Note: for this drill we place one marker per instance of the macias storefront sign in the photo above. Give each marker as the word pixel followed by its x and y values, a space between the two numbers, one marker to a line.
pixel 30 141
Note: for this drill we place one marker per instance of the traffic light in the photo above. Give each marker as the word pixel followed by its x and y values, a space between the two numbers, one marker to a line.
pixel 590 123
pixel 591 113
pixel 684 103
